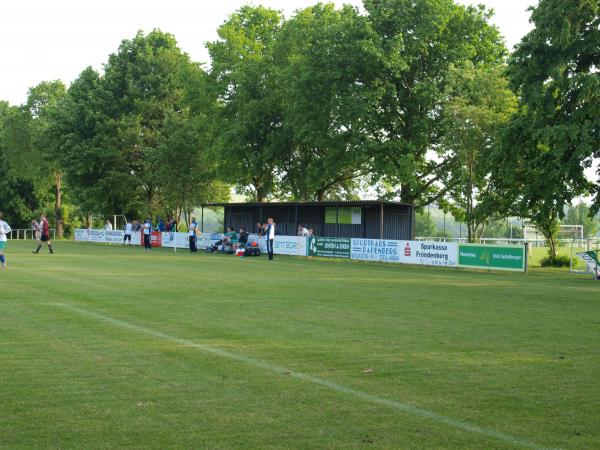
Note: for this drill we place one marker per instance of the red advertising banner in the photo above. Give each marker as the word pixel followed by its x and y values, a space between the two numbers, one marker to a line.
pixel 155 239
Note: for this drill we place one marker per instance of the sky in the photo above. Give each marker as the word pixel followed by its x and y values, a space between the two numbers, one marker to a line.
pixel 43 40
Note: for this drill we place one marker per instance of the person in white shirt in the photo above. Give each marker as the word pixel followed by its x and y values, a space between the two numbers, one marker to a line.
pixel 193 229
pixel 147 227
pixel 128 231
pixel 108 226
pixel 270 236
pixel 302 232
pixel 4 231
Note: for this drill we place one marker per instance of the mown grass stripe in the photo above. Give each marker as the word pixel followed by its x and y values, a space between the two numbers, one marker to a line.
pixel 399 406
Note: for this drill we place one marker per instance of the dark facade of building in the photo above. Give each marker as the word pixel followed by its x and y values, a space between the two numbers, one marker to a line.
pixel 360 219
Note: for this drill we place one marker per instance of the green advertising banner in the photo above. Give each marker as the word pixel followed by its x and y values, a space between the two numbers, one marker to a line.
pixel 492 257
pixel 329 247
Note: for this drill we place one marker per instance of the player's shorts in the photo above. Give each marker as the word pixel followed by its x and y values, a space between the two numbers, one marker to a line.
pixel 2 245
pixel 127 237
pixel 44 238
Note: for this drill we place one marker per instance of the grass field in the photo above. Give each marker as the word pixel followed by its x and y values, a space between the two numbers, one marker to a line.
pixel 105 347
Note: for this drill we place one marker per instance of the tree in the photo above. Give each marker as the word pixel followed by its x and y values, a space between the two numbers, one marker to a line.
pixel 249 138
pixel 554 71
pixel 324 60
pixel 580 215
pixel 425 225
pixel 554 136
pixel 114 123
pixel 42 104
pixel 479 103
pixel 186 173
pixel 418 41
pixel 18 194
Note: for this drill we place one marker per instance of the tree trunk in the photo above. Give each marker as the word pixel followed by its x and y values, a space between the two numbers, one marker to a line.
pixel 260 192
pixel 58 204
pixel 552 243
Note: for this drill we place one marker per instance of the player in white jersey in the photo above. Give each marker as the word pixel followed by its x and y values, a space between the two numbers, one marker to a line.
pixel 128 231
pixel 4 230
pixel 193 232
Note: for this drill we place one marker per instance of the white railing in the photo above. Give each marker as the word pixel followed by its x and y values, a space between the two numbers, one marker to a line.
pixel 23 234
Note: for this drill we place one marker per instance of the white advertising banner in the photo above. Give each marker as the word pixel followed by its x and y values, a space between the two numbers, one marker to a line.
pixel 290 245
pixel 428 253
pixel 96 236
pixel 375 250
pixel 81 235
pixel 406 252
pixel 179 240
pixel 283 245
pixel 114 237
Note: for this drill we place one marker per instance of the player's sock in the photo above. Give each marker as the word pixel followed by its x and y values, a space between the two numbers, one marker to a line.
pixel 50 248
pixel 37 250
pixel 3 259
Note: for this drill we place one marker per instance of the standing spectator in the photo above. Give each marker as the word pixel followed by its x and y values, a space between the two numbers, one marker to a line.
pixel 35 229
pixel 311 232
pixel 161 226
pixel 108 226
pixel 270 237
pixel 148 234
pixel 4 230
pixel 259 229
pixel 127 232
pixel 302 232
pixel 193 230
pixel 45 235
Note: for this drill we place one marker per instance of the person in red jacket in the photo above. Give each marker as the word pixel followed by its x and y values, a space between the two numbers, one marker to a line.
pixel 45 235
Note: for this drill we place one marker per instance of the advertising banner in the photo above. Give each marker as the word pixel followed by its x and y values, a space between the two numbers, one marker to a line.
pixel 155 239
pixel 289 245
pixel 492 257
pixel 329 247
pixel 428 253
pixel 96 236
pixel 179 240
pixel 114 237
pixel 81 235
pixel 405 252
pixel 375 250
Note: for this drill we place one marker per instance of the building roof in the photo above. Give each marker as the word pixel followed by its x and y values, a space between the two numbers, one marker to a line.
pixel 326 203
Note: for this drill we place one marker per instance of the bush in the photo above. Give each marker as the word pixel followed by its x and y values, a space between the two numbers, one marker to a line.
pixel 556 261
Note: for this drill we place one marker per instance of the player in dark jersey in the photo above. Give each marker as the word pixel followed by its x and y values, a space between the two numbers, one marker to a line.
pixel 45 235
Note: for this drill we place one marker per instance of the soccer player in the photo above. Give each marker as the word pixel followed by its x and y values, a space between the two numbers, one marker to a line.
pixel 147 234
pixel 128 231
pixel 45 237
pixel 192 235
pixel 4 230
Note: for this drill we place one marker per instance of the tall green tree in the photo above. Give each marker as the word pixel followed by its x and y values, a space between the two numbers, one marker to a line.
pixel 42 106
pixel 19 194
pixel 325 62
pixel 418 41
pixel 554 137
pixel 114 123
pixel 249 137
pixel 479 103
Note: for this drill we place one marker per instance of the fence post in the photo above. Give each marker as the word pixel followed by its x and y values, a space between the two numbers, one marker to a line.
pixel 526 256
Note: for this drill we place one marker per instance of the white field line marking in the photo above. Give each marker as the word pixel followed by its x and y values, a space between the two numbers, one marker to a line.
pixel 399 406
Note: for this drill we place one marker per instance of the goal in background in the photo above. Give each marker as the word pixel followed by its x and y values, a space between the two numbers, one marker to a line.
pixel 568 233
